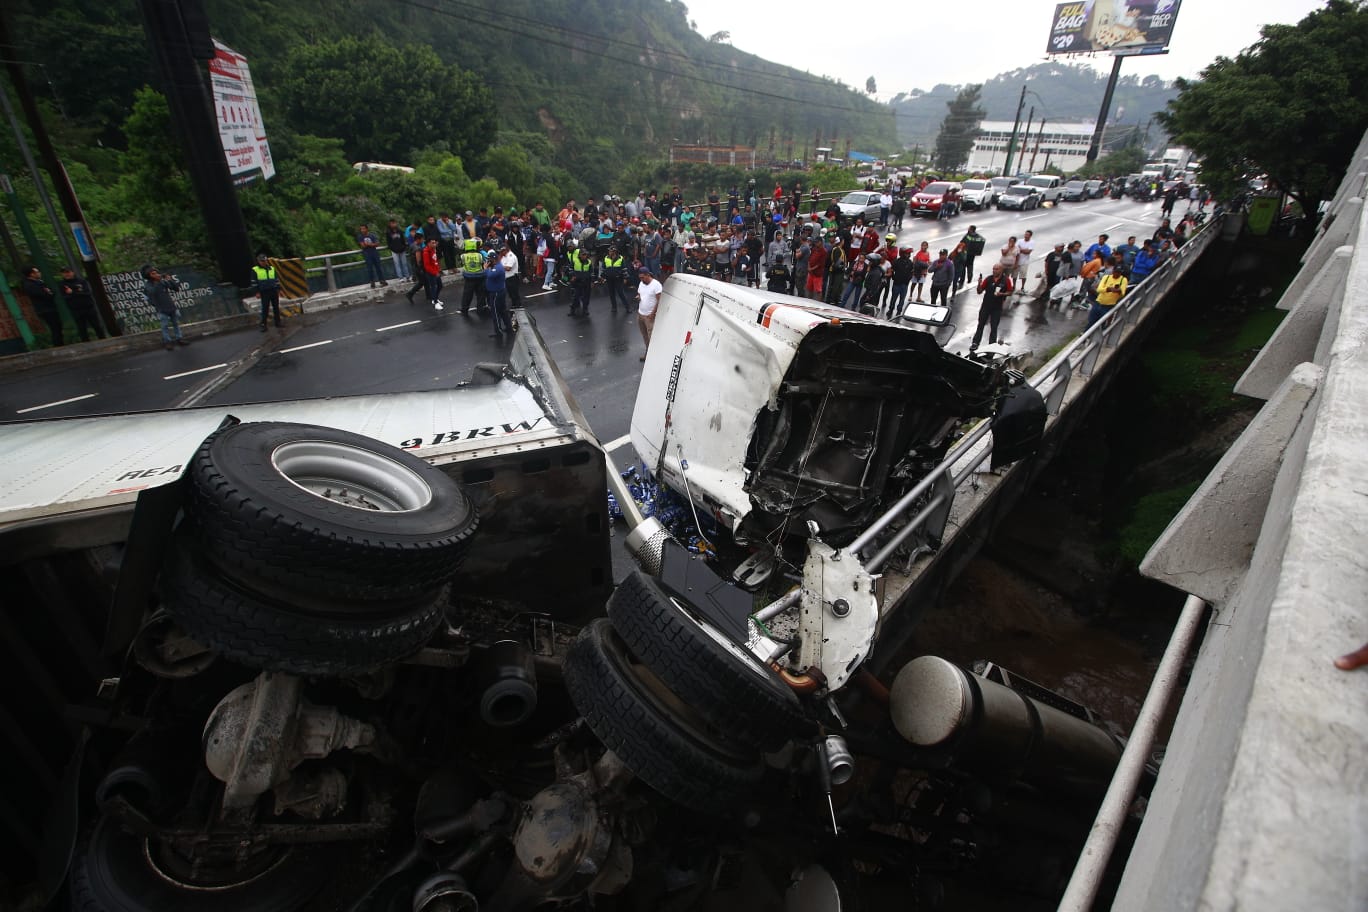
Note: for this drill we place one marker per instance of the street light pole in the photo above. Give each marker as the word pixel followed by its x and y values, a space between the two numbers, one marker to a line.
pixel 1011 143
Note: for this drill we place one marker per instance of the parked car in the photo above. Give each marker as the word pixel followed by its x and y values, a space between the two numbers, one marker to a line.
pixel 977 194
pixel 1075 191
pixel 1019 196
pixel 1095 189
pixel 999 185
pixel 860 202
pixel 936 198
pixel 1050 188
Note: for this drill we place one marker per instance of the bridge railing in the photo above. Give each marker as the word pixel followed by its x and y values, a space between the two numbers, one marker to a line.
pixel 933 495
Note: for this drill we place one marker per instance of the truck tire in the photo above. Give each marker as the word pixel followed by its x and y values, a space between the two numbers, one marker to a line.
pixel 300 635
pixel 326 511
pixel 634 716
pixel 723 682
pixel 116 871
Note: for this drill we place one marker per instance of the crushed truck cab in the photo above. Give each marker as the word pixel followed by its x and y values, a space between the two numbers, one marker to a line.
pixel 771 412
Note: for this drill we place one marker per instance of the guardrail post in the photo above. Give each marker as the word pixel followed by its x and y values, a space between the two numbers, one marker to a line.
pixel 329 274
pixel 1085 367
pixel 1062 375
pixel 936 520
pixel 1111 336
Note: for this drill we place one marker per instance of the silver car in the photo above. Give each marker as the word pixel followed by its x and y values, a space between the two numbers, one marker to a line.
pixel 860 202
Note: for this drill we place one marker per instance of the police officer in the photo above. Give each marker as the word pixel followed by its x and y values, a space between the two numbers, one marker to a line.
pixel 473 274
pixel 779 277
pixel 268 288
pixel 615 272
pixel 44 303
pixel 581 279
pixel 80 302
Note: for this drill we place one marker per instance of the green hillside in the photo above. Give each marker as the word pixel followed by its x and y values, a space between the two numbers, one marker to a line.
pixel 1071 93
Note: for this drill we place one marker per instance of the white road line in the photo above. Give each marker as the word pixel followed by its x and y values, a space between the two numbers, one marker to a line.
pixel 34 408
pixel 618 443
pixel 198 370
pixel 1029 217
pixel 286 351
pixel 399 326
pixel 540 294
pixel 1113 227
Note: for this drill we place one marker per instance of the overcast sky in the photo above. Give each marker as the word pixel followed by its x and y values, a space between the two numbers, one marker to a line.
pixel 915 47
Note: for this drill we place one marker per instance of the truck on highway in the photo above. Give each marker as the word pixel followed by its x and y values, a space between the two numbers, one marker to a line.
pixel 371 653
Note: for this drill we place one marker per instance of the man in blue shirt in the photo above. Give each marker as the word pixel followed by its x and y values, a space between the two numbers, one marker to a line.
pixel 1128 251
pixel 1145 262
pixel 370 255
pixel 496 290
pixel 1100 245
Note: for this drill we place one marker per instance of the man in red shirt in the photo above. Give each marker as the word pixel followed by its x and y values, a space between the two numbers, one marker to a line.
pixel 432 273
pixel 816 270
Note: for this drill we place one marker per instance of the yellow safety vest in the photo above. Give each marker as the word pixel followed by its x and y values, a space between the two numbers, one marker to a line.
pixel 264 274
pixel 580 262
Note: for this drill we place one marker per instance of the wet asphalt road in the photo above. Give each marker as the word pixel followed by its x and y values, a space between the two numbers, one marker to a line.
pixel 394 346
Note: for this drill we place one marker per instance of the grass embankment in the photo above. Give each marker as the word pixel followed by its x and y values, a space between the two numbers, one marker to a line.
pixel 1180 411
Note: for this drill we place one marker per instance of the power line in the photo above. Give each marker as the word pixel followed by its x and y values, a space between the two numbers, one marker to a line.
pixel 847 109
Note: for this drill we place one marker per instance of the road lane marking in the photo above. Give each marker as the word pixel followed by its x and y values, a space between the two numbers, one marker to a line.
pixel 618 443
pixel 286 351
pixel 198 370
pixel 540 294
pixel 1029 217
pixel 399 326
pixel 34 408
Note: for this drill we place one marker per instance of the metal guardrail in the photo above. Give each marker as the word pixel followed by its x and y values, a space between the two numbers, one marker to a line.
pixel 935 493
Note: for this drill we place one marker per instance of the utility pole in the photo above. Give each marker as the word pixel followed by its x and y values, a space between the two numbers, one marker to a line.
pixel 1011 143
pixel 1096 143
pixel 1040 134
pixel 71 206
pixel 179 37
pixel 1026 136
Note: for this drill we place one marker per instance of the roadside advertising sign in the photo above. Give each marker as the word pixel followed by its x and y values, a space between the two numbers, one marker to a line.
pixel 239 117
pixel 1123 27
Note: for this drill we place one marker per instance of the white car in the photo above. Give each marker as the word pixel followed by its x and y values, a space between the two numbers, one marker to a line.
pixel 977 194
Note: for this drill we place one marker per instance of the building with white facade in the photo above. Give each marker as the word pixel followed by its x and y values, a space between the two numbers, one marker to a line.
pixel 1064 146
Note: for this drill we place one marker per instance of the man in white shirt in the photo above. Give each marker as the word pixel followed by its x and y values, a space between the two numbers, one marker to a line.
pixel 1024 248
pixel 648 297
pixel 509 261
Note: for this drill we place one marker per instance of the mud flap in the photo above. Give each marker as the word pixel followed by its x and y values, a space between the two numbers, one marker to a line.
pixel 1018 426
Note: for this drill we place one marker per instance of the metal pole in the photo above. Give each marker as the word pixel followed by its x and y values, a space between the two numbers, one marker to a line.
pixel 181 64
pixel 1026 135
pixel 1011 142
pixel 1040 134
pixel 1092 861
pixel 1096 143
pixel 58 229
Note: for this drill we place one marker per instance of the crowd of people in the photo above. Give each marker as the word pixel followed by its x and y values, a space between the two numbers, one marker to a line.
pixel 790 240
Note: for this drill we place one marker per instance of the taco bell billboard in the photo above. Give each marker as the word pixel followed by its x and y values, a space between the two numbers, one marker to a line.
pixel 1123 27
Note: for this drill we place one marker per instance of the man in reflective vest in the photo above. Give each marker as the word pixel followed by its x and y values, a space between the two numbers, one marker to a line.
pixel 268 288
pixel 473 273
pixel 615 272
pixel 581 279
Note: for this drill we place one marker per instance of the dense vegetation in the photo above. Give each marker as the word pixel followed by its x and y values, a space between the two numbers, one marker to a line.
pixel 1292 107
pixel 492 106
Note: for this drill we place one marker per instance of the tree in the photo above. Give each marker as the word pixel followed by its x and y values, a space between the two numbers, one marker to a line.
pixel 958 130
pixel 1292 106
pixel 720 38
pixel 871 86
pixel 355 89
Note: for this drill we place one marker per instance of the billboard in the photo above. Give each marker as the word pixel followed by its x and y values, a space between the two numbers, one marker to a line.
pixel 239 118
pixel 1124 27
